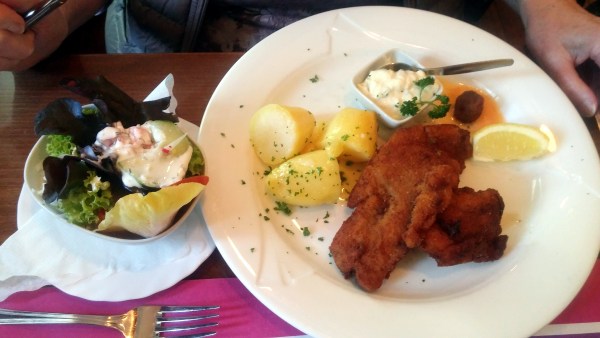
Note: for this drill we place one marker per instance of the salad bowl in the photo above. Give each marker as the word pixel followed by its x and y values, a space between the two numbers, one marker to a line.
pixel 114 168
pixel 33 175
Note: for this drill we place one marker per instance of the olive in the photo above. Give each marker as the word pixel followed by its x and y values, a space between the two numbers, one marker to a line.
pixel 468 106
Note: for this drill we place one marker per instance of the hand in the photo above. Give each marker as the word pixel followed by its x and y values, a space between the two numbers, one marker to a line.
pixel 15 44
pixel 561 35
pixel 20 49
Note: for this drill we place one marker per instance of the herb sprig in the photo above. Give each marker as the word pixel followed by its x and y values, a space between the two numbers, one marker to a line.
pixel 283 207
pixel 440 102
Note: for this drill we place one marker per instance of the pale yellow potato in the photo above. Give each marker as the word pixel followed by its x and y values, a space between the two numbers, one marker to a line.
pixel 350 173
pixel 351 134
pixel 308 179
pixel 315 142
pixel 278 133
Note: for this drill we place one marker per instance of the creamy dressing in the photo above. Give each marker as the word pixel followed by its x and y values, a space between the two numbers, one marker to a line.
pixel 389 89
pixel 154 168
pixel 142 161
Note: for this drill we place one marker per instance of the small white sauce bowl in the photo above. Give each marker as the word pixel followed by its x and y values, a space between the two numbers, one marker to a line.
pixel 392 56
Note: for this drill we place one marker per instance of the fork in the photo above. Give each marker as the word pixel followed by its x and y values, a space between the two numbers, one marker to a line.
pixel 140 322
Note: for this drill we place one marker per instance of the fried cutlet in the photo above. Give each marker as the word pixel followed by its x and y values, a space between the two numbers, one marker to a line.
pixel 396 200
pixel 468 230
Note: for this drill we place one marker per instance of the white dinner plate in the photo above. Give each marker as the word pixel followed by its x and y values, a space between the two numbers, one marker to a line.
pixel 551 214
pixel 117 270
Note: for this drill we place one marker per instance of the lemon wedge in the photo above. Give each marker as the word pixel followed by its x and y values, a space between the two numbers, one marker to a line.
pixel 509 142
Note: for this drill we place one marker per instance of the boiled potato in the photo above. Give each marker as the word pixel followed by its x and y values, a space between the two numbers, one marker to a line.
pixel 351 134
pixel 316 139
pixel 308 179
pixel 278 133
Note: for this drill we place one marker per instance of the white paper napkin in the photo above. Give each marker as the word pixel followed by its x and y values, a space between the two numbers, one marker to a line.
pixel 44 251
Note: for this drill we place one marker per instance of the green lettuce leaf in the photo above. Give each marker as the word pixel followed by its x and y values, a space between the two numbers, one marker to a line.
pixel 83 203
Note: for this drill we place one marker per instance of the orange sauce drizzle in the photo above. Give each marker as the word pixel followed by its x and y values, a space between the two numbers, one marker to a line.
pixel 491 111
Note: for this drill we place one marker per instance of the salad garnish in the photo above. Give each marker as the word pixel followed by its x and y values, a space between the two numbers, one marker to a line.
pixel 85 172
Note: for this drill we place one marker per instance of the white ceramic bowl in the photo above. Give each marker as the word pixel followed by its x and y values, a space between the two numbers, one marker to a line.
pixel 391 56
pixel 34 181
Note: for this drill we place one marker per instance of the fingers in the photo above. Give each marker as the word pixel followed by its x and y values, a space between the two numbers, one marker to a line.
pixel 562 36
pixel 579 92
pixel 10 20
pixel 15 45
pixel 562 69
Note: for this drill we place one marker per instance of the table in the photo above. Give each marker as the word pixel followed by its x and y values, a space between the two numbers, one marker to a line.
pixel 196 77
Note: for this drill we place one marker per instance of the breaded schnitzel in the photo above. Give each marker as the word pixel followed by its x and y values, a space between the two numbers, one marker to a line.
pixel 406 184
pixel 468 230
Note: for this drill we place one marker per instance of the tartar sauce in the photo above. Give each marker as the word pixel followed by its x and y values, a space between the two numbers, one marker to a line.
pixel 388 89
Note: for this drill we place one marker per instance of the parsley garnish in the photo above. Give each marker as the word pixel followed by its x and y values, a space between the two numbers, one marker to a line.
pixel 440 103
pixel 314 79
pixel 283 207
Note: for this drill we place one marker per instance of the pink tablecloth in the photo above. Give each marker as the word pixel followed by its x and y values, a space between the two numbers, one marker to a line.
pixel 581 319
pixel 242 315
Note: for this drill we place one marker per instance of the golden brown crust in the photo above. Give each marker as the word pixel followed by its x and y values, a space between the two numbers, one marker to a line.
pixel 397 199
pixel 468 230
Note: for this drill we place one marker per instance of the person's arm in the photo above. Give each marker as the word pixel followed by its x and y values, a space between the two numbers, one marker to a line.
pixel 20 49
pixel 562 35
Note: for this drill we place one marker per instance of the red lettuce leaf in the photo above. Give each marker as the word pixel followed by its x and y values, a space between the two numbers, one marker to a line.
pixel 65 116
pixel 119 105
pixel 62 174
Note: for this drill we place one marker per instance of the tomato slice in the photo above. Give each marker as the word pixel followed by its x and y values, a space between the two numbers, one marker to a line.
pixel 101 213
pixel 197 179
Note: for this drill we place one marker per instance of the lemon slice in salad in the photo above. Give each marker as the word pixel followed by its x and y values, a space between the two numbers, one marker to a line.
pixel 509 142
pixel 151 214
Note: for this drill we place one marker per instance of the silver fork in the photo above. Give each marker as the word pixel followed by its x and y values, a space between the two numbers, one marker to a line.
pixel 140 322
